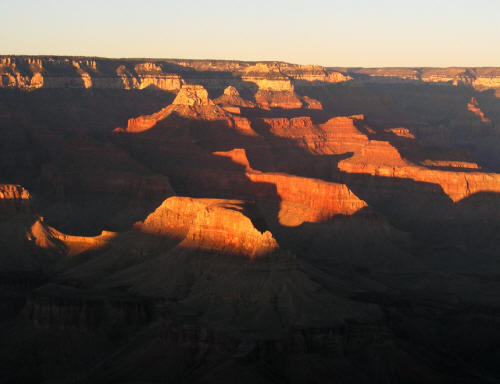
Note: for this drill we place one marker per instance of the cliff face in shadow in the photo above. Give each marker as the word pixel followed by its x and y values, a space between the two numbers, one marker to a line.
pixel 212 221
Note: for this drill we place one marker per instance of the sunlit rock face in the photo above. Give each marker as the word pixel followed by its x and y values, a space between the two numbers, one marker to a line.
pixel 14 199
pixel 59 72
pixel 49 238
pixel 380 158
pixel 479 78
pixel 231 98
pixel 301 199
pixel 401 132
pixel 473 107
pixel 29 73
pixel 208 224
pixel 191 102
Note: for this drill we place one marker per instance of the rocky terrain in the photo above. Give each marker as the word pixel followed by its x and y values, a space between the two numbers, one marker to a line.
pixel 218 221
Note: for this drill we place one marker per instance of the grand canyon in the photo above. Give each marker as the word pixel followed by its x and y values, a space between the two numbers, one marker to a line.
pixel 210 221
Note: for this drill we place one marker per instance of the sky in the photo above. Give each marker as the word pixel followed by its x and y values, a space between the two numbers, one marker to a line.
pixel 354 33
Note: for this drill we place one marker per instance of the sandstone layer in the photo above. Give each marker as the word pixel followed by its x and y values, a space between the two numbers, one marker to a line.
pixel 208 224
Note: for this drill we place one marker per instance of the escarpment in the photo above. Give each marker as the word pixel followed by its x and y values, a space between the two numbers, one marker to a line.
pixel 29 73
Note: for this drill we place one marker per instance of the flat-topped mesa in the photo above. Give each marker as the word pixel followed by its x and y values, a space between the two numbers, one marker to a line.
pixel 14 199
pixel 208 224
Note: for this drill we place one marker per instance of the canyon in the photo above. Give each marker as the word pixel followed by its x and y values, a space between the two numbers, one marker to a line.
pixel 211 221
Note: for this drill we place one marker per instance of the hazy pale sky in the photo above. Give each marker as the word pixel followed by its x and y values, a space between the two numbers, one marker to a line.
pixel 333 33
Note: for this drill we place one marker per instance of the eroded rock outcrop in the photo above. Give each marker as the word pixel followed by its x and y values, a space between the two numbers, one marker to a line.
pixel 450 164
pixel 30 73
pixel 231 98
pixel 479 78
pixel 208 224
pixel 336 136
pixel 301 199
pixel 46 237
pixel 380 158
pixel 401 132
pixel 192 102
pixel 473 107
pixel 267 99
pixel 14 199
pixel 145 75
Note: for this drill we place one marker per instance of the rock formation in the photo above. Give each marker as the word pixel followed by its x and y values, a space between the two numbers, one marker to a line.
pixel 231 98
pixel 208 224
pixel 191 102
pixel 14 199
pixel 49 238
pixel 380 158
pixel 473 107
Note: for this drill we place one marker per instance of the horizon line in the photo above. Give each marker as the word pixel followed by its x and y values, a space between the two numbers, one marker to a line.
pixel 245 61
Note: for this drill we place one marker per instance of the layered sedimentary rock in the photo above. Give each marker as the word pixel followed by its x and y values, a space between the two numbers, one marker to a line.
pixel 401 132
pixel 14 199
pixel 66 72
pixel 146 75
pixel 309 200
pixel 208 224
pixel 336 136
pixel 231 98
pixel 450 164
pixel 340 136
pixel 267 99
pixel 311 103
pixel 478 78
pixel 473 107
pixel 380 158
pixel 302 199
pixel 30 73
pixel 191 102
